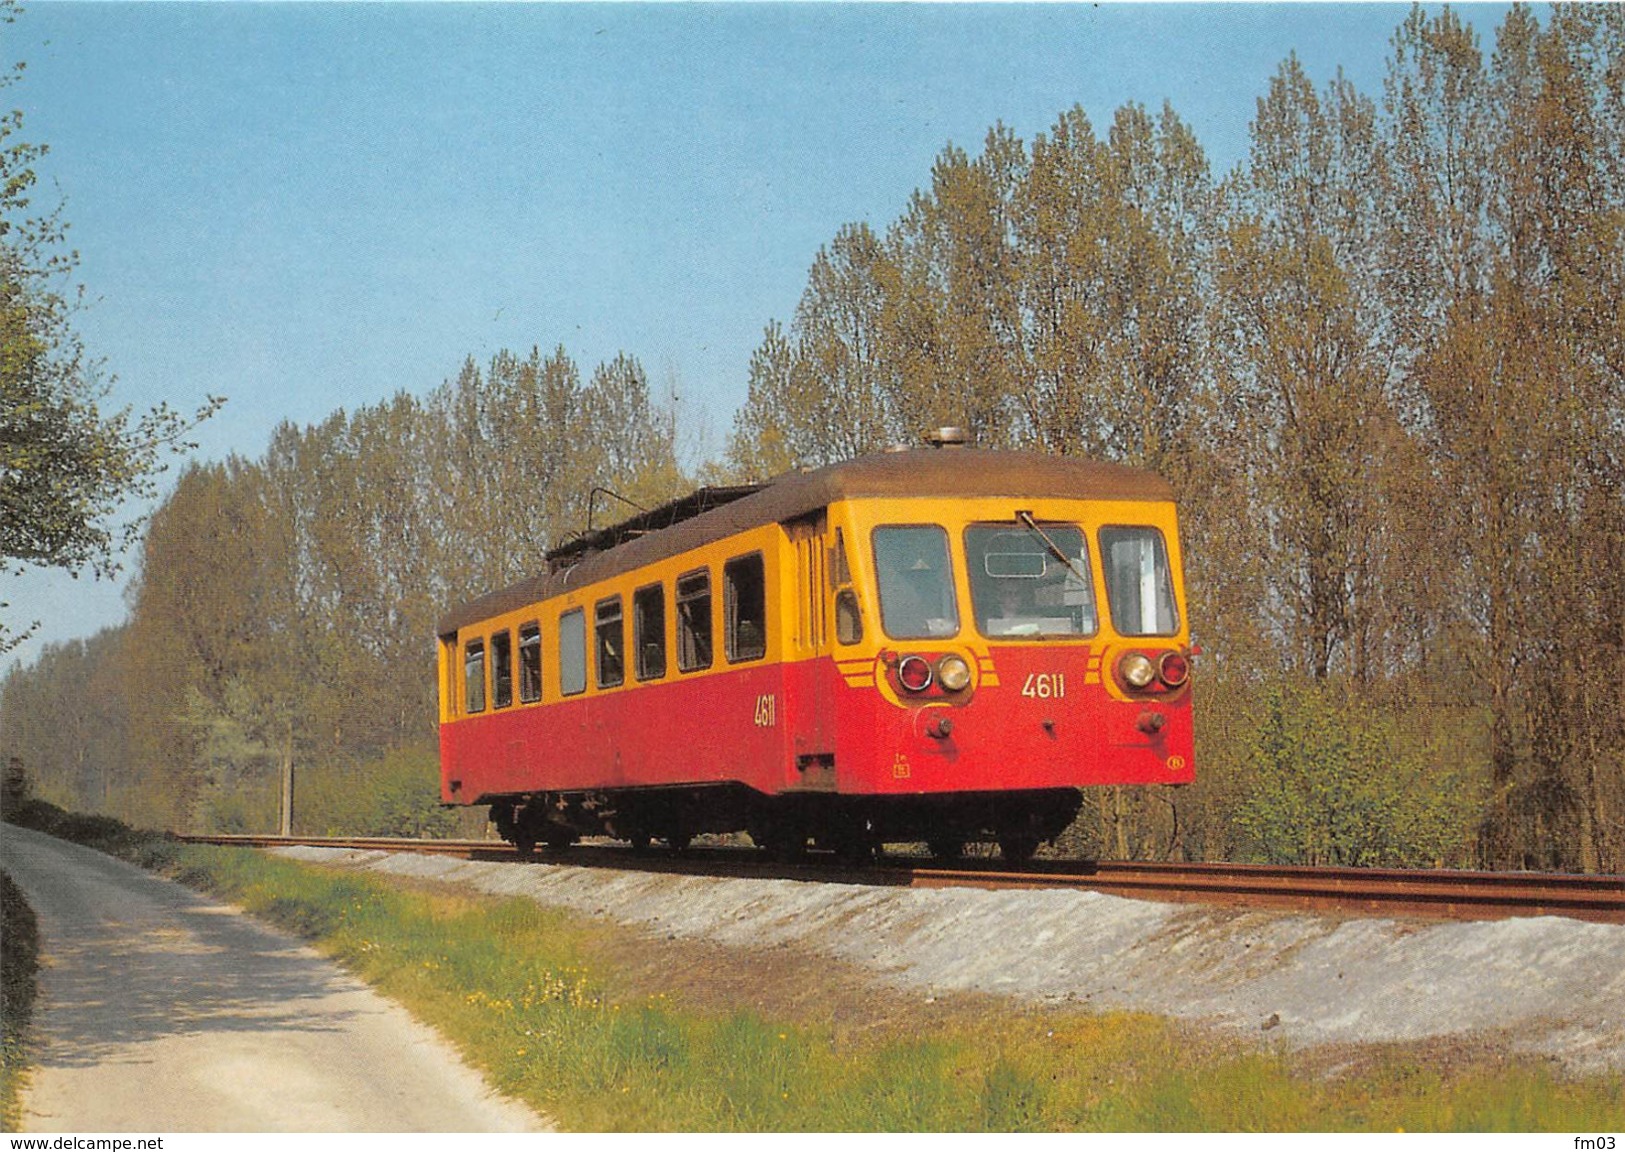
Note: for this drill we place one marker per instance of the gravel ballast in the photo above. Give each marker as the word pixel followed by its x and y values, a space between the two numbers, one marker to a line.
pixel 1547 986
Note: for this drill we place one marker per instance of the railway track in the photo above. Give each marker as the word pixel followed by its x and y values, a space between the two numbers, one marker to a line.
pixel 1433 894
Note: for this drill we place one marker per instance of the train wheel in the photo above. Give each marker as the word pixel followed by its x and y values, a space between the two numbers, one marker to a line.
pixel 855 855
pixel 854 847
pixel 679 841
pixel 785 842
pixel 790 850
pixel 525 844
pixel 787 849
pixel 946 849
pixel 1018 849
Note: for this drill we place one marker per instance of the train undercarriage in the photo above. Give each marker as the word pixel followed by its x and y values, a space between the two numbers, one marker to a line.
pixel 855 828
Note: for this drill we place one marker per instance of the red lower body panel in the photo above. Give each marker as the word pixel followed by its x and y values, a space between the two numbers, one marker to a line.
pixel 1037 718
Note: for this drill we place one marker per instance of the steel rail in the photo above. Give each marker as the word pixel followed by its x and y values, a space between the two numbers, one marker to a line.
pixel 353 843
pixel 1435 894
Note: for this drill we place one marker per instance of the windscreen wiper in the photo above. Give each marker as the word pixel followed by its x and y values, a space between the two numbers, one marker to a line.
pixel 1027 521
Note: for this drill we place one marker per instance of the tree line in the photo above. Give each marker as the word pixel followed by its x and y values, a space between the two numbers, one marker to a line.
pixel 1382 361
pixel 285 606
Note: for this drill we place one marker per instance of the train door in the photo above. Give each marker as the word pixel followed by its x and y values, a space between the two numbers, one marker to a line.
pixel 809 690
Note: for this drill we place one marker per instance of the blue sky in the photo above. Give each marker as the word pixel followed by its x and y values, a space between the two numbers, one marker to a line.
pixel 304 207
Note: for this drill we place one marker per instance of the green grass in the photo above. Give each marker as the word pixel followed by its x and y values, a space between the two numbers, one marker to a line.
pixel 508 981
pixel 529 997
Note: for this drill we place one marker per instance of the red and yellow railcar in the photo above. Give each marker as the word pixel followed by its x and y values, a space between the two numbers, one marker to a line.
pixel 943 645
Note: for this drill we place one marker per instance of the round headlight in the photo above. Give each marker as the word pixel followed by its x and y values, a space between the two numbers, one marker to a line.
pixel 953 673
pixel 914 673
pixel 1137 670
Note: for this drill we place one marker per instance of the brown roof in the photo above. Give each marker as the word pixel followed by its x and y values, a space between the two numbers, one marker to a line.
pixel 675 528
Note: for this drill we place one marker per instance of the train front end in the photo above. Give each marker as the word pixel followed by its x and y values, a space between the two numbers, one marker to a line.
pixel 998 655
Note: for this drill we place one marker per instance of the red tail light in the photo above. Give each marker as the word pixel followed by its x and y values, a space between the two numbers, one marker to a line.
pixel 1173 669
pixel 914 673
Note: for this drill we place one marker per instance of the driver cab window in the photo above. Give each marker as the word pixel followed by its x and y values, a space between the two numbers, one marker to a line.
pixel 1139 582
pixel 1030 580
pixel 916 582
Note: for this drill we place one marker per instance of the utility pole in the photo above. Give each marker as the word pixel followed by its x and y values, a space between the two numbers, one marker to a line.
pixel 285 826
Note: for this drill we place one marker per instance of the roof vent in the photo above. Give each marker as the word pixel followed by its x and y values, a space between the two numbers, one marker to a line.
pixel 947 438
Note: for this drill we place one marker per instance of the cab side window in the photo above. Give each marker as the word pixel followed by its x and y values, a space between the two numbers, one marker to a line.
pixel 848 612
pixel 474 676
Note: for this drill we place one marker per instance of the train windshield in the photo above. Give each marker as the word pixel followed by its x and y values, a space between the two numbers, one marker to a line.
pixel 916 582
pixel 1030 580
pixel 1139 584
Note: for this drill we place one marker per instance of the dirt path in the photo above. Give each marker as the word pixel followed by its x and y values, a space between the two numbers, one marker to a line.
pixel 162 1012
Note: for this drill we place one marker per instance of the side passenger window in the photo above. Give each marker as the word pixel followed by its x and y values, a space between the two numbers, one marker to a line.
pixel 573 652
pixel 530 663
pixel 502 669
pixel 745 602
pixel 474 676
pixel 694 621
pixel 649 631
pixel 611 643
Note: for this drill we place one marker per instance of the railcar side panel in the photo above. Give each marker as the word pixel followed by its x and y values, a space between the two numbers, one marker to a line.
pixel 819 704
pixel 740 726
pixel 721 728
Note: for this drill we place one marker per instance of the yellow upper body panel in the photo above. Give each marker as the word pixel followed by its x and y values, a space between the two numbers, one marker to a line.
pixel 806 567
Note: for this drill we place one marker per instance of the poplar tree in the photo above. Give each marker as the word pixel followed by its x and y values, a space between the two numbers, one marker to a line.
pixel 1109 237
pixel 1301 388
pixel 829 389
